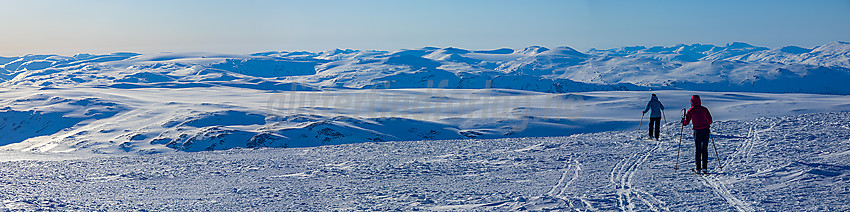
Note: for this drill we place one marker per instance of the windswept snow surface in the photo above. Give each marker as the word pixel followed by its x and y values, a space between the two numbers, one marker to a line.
pixel 789 163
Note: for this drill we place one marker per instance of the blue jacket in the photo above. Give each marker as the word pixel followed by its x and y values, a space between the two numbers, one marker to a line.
pixel 656 107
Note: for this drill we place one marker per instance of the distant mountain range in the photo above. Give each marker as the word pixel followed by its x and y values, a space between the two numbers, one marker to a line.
pixel 733 67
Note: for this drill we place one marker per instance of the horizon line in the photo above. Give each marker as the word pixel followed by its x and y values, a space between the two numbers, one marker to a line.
pixel 402 49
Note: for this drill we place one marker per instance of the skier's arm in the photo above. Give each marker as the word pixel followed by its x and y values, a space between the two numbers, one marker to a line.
pixel 662 105
pixel 709 116
pixel 687 119
pixel 647 107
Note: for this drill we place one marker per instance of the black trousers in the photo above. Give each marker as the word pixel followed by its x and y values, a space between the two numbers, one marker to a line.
pixel 654 127
pixel 701 137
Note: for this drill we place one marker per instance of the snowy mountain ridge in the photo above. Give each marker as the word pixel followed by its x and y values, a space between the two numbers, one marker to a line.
pixel 734 67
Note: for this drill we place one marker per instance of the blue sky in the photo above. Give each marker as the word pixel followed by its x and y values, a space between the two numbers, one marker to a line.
pixel 101 26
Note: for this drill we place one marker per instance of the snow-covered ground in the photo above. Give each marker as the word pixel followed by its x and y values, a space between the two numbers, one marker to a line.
pixel 789 163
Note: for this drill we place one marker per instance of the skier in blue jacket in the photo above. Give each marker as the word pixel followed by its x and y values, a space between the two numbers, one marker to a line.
pixel 654 116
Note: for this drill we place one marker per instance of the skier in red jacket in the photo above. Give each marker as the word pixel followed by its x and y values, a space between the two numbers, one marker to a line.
pixel 702 124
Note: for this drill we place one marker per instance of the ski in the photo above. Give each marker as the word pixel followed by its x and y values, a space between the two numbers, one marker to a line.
pixel 646 139
pixel 699 173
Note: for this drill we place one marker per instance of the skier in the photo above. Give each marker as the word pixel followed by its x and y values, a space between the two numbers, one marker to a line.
pixel 654 116
pixel 702 124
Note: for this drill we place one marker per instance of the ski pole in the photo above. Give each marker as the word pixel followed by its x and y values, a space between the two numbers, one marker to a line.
pixel 715 153
pixel 681 133
pixel 665 120
pixel 641 122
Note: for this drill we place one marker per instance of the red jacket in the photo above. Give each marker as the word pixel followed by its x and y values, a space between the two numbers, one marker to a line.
pixel 699 114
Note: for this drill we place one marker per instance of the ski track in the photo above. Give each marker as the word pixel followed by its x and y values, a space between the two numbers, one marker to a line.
pixel 571 172
pixel 719 187
pixel 621 177
pixel 743 153
pixel 559 190
pixel 562 186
